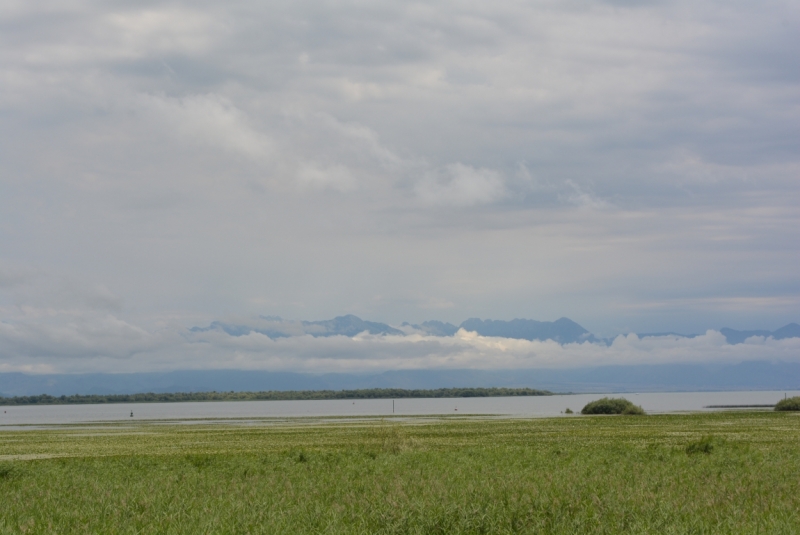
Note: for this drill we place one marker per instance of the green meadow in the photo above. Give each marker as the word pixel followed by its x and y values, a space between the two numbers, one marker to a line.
pixel 724 472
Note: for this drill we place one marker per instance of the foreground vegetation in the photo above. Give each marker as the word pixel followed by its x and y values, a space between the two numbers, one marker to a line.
pixel 273 395
pixel 700 473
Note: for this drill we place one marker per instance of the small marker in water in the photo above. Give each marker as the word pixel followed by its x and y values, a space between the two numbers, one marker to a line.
pixel 131 414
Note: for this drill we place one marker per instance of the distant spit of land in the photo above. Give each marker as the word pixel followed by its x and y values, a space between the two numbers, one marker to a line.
pixel 273 395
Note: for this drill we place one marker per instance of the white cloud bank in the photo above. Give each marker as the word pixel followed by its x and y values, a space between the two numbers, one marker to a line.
pixel 70 342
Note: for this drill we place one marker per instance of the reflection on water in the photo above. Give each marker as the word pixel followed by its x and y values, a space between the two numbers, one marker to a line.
pixel 534 406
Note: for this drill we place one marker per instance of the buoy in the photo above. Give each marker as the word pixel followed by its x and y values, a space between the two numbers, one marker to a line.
pixel 131 414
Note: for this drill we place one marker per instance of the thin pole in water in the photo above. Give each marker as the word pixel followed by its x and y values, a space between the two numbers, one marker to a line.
pixel 392 406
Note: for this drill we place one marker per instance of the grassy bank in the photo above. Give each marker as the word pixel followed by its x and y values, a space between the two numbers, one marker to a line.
pixel 704 473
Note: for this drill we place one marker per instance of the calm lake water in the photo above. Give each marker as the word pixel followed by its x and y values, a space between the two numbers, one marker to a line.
pixel 538 406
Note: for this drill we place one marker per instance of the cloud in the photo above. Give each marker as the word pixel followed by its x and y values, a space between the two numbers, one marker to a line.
pixel 34 291
pixel 337 177
pixel 11 278
pixel 68 341
pixel 210 120
pixel 581 198
pixel 460 185
pixel 61 336
pixel 148 31
pixel 632 165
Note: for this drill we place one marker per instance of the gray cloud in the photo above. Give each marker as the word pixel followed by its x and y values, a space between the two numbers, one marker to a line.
pixel 630 165
pixel 11 278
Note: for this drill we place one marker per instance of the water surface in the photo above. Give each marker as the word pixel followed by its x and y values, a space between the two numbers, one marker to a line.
pixel 531 406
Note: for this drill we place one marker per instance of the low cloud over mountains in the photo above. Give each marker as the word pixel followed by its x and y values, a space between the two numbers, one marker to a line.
pixel 69 342
pixel 562 331
pixel 276 327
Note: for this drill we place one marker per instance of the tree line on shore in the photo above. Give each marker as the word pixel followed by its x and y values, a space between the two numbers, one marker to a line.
pixel 272 395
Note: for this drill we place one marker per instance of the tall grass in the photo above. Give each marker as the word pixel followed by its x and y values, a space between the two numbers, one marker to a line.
pixel 567 475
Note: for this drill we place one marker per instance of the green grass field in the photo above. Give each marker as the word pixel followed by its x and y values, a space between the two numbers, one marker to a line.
pixel 602 474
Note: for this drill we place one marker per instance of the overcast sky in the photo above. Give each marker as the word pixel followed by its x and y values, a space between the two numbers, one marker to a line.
pixel 631 165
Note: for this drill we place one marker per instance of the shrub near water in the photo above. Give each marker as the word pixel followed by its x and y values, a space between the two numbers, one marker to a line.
pixel 612 406
pixel 788 404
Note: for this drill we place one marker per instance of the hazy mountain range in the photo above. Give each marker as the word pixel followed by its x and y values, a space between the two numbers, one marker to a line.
pixel 563 330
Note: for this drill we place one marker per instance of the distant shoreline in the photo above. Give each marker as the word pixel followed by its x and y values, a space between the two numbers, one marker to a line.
pixel 273 395
pixel 762 406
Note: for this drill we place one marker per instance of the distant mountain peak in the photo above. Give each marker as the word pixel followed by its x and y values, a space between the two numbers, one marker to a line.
pixel 351 325
pixel 435 328
pixel 791 330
